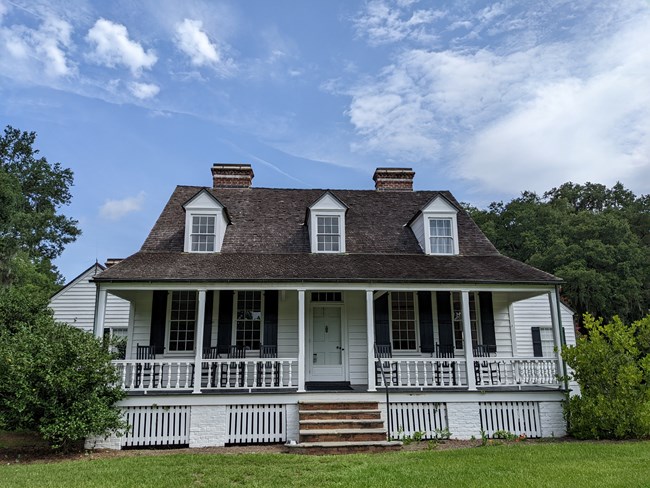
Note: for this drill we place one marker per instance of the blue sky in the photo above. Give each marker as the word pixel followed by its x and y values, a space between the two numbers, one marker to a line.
pixel 485 100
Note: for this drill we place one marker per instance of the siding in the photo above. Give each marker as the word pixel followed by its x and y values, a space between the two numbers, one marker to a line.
pixel 75 304
pixel 536 312
pixel 355 313
pixel 418 229
pixel 141 304
pixel 288 324
pixel 502 327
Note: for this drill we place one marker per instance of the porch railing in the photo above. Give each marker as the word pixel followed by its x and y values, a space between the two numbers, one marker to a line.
pixel 220 374
pixel 452 372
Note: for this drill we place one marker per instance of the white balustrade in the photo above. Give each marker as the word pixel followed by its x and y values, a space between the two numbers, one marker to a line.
pixel 421 372
pixel 510 371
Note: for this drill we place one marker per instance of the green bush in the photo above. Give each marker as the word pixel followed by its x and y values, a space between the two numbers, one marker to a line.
pixel 56 380
pixel 612 366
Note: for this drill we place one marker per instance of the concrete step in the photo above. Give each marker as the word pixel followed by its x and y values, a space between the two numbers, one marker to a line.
pixel 342 435
pixel 319 448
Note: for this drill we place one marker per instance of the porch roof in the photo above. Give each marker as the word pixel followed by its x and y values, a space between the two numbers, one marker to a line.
pixel 303 267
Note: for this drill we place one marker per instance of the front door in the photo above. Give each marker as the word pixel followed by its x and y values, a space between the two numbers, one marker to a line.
pixel 327 346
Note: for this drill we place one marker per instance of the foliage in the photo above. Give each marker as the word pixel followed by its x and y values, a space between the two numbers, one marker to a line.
pixel 612 366
pixel 32 231
pixel 595 238
pixel 54 379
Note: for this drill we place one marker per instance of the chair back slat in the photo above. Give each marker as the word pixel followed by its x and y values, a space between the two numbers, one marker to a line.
pixel 237 352
pixel 384 351
pixel 481 351
pixel 445 351
pixel 211 353
pixel 268 351
pixel 145 352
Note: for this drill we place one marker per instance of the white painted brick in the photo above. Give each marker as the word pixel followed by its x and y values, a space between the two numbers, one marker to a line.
pixel 99 442
pixel 464 420
pixel 552 419
pixel 293 425
pixel 208 426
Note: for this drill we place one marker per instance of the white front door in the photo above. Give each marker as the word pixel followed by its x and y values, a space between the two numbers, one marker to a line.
pixel 327 352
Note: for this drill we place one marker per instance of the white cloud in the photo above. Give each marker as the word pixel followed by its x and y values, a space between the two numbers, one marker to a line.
pixel 143 90
pixel 112 47
pixel 383 21
pixel 193 41
pixel 28 51
pixel 116 209
pixel 576 108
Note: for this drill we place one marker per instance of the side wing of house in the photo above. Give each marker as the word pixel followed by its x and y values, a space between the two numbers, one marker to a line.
pixel 74 304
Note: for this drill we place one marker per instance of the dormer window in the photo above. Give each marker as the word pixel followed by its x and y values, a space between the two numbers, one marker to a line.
pixel 206 220
pixel 326 222
pixel 203 233
pixel 436 227
pixel 441 240
pixel 328 236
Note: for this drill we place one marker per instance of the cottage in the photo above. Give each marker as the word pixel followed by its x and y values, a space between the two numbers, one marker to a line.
pixel 315 317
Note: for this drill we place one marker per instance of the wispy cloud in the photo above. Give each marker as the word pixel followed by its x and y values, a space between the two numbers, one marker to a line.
pixel 192 40
pixel 113 47
pixel 143 91
pixel 116 209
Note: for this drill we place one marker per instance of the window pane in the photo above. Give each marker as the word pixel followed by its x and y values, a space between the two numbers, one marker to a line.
pixel 203 233
pixel 403 321
pixel 182 321
pixel 249 318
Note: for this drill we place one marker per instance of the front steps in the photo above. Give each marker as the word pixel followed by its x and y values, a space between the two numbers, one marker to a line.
pixel 341 428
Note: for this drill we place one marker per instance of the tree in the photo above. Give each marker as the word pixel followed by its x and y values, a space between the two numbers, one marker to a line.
pixel 591 236
pixel 54 379
pixel 612 366
pixel 32 231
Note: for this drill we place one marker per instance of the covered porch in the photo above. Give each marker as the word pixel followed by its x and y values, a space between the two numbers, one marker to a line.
pixel 280 338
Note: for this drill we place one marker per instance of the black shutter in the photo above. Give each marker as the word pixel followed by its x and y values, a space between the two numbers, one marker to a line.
pixel 426 322
pixel 207 323
pixel 445 327
pixel 158 320
pixel 487 320
pixel 382 324
pixel 537 342
pixel 270 336
pixel 224 325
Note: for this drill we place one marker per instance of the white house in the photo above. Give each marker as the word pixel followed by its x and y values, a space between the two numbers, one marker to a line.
pixel 259 314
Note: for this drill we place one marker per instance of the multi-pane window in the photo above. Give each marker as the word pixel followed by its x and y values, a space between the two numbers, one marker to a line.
pixel 457 318
pixel 203 233
pixel 441 239
pixel 182 321
pixel 326 296
pixel 249 318
pixel 402 315
pixel 328 234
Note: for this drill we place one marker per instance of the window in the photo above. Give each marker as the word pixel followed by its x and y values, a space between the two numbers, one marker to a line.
pixel 116 338
pixel 203 233
pixel 182 321
pixel 326 296
pixel 249 319
pixel 402 317
pixel 442 241
pixel 457 317
pixel 328 236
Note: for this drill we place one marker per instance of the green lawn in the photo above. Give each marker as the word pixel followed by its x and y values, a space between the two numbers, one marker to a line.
pixel 571 464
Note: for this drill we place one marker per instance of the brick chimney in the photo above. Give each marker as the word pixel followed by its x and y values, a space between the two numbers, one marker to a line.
pixel 232 175
pixel 394 179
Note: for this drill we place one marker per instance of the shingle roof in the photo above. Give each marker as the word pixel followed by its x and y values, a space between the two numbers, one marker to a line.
pixel 268 241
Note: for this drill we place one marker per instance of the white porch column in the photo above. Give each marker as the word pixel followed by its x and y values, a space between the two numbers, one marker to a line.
pixel 301 341
pixel 467 339
pixel 370 329
pixel 100 311
pixel 198 341
pixel 556 323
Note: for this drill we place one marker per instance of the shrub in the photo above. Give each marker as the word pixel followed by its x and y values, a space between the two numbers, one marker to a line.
pixel 612 366
pixel 58 381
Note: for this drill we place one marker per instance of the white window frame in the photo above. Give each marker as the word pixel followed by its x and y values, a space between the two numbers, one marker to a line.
pixel 213 234
pixel 416 316
pixel 339 234
pixel 326 206
pixel 430 220
pixel 203 204
pixel 454 233
pixel 233 336
pixel 168 322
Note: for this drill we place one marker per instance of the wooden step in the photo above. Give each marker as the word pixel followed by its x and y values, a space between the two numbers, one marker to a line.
pixel 333 424
pixel 339 414
pixel 305 406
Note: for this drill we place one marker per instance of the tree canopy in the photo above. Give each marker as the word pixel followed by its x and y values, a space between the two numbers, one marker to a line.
pixel 595 238
pixel 33 232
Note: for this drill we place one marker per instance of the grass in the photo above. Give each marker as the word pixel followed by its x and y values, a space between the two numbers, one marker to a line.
pixel 573 464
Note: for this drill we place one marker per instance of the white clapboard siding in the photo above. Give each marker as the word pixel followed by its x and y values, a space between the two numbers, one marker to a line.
pixel 418 229
pixel 257 424
pixel 157 426
pixel 428 418
pixel 355 312
pixel 536 312
pixel 288 324
pixel 518 418
pixel 74 304
pixel 502 329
